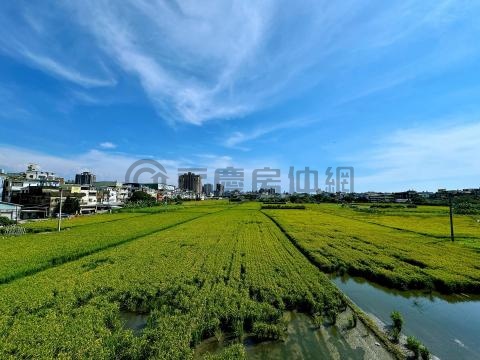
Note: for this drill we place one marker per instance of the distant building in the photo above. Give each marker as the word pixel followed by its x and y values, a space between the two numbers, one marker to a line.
pixel 15 183
pixel 10 211
pixel 166 191
pixel 379 197
pixel 190 182
pixel 34 173
pixel 207 189
pixel 88 202
pixel 269 191
pixel 3 176
pixel 38 201
pixel 85 178
pixel 219 190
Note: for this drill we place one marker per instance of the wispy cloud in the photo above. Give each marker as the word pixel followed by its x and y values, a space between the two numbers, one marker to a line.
pixel 37 36
pixel 107 145
pixel 226 59
pixel 49 65
pixel 237 138
pixel 423 158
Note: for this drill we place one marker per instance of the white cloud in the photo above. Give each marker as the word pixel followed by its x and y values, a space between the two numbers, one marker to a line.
pixel 113 166
pixel 423 158
pixel 49 65
pixel 41 37
pixel 225 59
pixel 108 145
pixel 237 138
pixel 106 165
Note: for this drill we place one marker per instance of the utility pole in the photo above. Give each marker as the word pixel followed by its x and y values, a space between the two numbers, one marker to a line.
pixel 60 210
pixel 450 203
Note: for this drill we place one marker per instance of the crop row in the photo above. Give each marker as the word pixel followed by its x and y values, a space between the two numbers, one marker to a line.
pixel 391 257
pixel 51 224
pixel 27 254
pixel 424 220
pixel 230 272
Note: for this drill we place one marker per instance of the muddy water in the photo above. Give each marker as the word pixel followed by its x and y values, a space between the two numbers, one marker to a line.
pixel 448 325
pixel 133 321
pixel 303 341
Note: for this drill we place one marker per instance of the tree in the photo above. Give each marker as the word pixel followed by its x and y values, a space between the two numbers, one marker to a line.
pixel 5 221
pixel 69 206
pixel 141 196
pixel 466 208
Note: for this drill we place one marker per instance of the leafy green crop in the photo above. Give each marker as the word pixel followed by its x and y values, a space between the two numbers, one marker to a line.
pixel 407 249
pixel 231 272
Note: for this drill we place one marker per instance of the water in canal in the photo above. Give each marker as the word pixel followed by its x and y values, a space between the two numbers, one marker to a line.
pixel 448 325
pixel 303 341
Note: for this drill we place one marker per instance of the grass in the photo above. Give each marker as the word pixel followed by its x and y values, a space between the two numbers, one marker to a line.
pixel 24 255
pixel 231 271
pixel 400 248
pixel 204 269
pixel 51 224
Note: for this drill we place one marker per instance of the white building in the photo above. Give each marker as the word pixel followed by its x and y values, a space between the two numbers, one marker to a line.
pixel 88 202
pixel 34 173
pixel 10 211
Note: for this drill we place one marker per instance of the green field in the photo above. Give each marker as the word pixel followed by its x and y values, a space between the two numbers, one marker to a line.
pixel 211 269
pixel 399 247
pixel 219 270
pixel 30 253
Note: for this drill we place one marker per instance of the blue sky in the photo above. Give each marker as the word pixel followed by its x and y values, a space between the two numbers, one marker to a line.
pixel 391 88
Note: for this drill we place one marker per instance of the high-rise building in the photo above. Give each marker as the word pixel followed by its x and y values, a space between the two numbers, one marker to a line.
pixel 219 190
pixel 85 178
pixel 190 182
pixel 207 189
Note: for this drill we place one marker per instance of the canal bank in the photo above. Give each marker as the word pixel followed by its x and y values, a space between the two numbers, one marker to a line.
pixel 447 325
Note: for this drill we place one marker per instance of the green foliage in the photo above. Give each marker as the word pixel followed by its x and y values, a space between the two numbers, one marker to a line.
pixel 424 353
pixel 234 352
pixel 283 207
pixel 397 320
pixel 398 247
pixel 395 335
pixel 262 331
pixel 140 199
pixel 317 321
pixel 141 196
pixel 414 345
pixel 232 271
pixel 71 205
pixel 332 314
pixel 466 208
pixel 13 230
pixel 19 258
pixel 5 221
